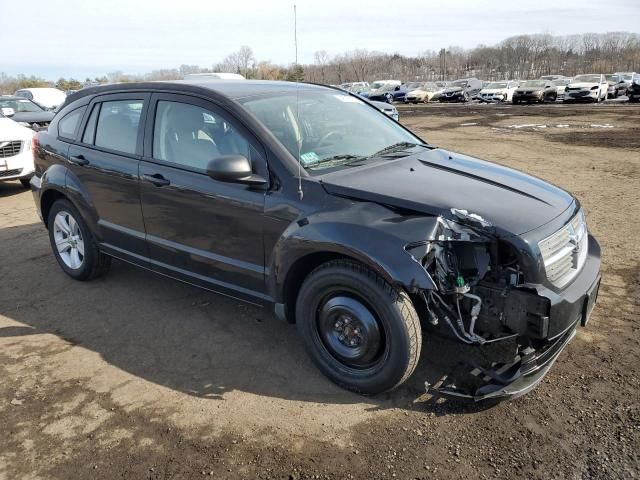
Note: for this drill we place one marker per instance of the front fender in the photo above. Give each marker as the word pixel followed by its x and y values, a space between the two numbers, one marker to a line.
pixel 369 233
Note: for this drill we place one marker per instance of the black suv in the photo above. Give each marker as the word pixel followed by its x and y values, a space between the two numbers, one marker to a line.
pixel 309 200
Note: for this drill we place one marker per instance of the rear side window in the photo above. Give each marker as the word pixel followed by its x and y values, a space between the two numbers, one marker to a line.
pixel 69 124
pixel 118 123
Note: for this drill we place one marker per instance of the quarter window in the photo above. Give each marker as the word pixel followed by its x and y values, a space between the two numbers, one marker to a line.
pixel 118 125
pixel 69 124
pixel 192 136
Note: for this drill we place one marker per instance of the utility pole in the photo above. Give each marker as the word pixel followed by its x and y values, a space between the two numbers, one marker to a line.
pixel 443 63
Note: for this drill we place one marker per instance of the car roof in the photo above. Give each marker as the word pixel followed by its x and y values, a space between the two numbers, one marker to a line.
pixel 233 89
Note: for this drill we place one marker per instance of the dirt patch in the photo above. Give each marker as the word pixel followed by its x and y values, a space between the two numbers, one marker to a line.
pixel 618 139
pixel 136 376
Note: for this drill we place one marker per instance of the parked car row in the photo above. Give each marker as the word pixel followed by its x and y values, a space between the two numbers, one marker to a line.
pixel 548 88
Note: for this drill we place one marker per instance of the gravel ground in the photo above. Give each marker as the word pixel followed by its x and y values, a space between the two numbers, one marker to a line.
pixel 137 376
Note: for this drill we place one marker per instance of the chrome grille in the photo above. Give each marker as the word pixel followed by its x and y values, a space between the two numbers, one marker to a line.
pixel 565 251
pixel 10 149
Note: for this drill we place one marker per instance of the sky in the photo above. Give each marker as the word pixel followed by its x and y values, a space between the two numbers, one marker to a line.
pixel 80 38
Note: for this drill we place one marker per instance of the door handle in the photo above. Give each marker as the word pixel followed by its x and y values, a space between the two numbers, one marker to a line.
pixel 157 179
pixel 79 160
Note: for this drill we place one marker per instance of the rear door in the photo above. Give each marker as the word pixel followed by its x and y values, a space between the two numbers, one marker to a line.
pixel 205 230
pixel 105 159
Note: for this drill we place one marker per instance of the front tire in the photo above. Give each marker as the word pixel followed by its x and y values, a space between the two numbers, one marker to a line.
pixel 73 243
pixel 26 183
pixel 362 333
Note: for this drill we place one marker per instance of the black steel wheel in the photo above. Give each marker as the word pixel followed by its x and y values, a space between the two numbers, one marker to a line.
pixel 361 332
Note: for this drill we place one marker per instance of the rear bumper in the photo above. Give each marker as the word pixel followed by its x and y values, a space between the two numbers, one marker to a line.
pixel 520 373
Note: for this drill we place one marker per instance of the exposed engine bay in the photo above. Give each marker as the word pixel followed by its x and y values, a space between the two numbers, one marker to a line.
pixel 481 301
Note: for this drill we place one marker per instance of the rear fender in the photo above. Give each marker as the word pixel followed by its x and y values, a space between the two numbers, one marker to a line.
pixel 59 178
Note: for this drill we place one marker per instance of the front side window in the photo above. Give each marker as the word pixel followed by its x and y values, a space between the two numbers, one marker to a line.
pixel 322 128
pixel 118 123
pixel 192 136
pixel 68 125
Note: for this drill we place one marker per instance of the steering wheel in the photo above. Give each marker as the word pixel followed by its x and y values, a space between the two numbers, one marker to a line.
pixel 326 137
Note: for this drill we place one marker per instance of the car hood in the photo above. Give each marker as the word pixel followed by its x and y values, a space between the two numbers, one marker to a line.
pixel 33 117
pixel 529 89
pixel 583 85
pixel 382 105
pixel 452 89
pixel 11 131
pixel 493 90
pixel 435 181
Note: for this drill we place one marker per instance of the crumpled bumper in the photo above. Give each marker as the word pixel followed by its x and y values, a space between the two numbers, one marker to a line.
pixel 512 376
pixel 514 380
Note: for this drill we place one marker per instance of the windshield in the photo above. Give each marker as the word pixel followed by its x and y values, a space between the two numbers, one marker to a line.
pixel 626 77
pixel 20 105
pixel 414 85
pixel 561 82
pixel 533 84
pixel 459 83
pixel 497 85
pixel 611 78
pixel 587 79
pixel 376 85
pixel 328 129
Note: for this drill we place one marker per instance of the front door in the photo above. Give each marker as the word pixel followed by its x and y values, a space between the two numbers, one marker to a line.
pixel 202 230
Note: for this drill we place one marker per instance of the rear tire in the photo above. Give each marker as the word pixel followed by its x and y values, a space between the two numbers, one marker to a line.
pixel 73 244
pixel 363 334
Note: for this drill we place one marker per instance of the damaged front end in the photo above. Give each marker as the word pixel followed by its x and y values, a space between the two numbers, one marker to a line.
pixel 481 302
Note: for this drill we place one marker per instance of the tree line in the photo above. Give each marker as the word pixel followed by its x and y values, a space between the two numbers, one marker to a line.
pixel 518 57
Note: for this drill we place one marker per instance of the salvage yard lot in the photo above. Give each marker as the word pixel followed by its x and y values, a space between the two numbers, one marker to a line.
pixel 137 376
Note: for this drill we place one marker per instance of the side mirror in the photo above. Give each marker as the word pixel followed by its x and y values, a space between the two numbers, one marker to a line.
pixel 233 169
pixel 397 89
pixel 8 111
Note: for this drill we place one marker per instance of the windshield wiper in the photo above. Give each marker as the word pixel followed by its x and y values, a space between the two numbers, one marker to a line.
pixel 396 147
pixel 336 159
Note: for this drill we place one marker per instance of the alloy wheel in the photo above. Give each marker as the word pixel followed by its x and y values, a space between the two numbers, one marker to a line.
pixel 68 239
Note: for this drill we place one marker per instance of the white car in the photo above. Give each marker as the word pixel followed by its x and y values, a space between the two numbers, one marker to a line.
pixel 586 88
pixel 498 91
pixel 379 84
pixel 424 93
pixel 561 85
pixel 16 157
pixel 387 109
pixel 214 76
pixel 47 98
